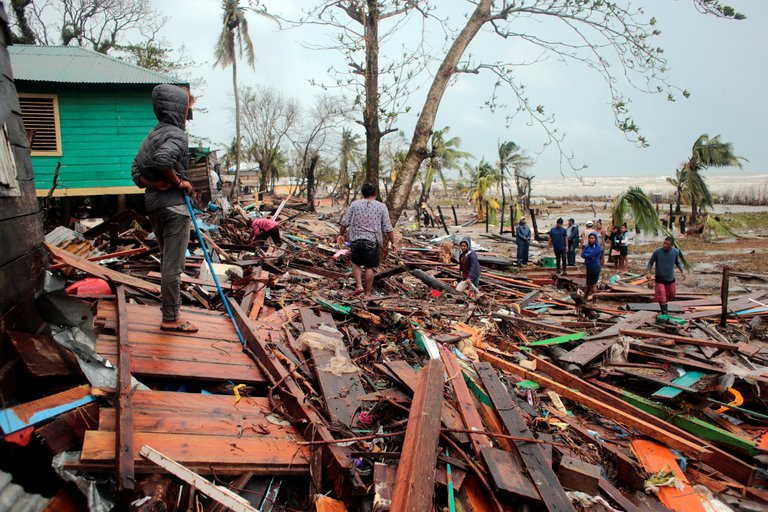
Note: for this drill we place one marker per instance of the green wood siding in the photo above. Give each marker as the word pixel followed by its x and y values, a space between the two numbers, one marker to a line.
pixel 101 129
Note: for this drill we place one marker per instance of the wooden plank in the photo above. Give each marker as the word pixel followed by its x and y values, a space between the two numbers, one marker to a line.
pixel 148 366
pixel 99 271
pixel 119 254
pixel 415 479
pixel 679 339
pixel 222 495
pixel 687 379
pixel 624 416
pixel 201 449
pixel 336 459
pixel 655 458
pixel 23 415
pixel 194 280
pixel 508 474
pixel 66 432
pixel 170 346
pixel 449 416
pixel 615 495
pixel 469 414
pixel 42 356
pixel 594 346
pixel 258 299
pixel 543 477
pixel 341 392
pixel 124 438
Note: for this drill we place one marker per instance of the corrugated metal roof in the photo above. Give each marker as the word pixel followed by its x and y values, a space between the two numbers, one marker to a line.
pixel 76 65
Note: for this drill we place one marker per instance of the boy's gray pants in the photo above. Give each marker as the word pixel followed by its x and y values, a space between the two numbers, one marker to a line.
pixel 172 232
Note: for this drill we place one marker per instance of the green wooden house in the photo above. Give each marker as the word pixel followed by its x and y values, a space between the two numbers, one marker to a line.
pixel 87 111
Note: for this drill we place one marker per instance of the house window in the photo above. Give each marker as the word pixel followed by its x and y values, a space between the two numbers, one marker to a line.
pixel 41 120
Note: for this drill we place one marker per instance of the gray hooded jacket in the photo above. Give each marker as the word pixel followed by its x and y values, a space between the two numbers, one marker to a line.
pixel 166 146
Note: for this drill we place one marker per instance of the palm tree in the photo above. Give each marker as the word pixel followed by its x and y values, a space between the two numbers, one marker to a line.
pixel 349 153
pixel 511 157
pixel 484 177
pixel 444 154
pixel 679 183
pixel 706 152
pixel 636 203
pixel 234 40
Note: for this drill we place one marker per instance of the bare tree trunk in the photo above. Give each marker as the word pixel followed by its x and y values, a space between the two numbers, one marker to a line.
pixel 235 192
pixel 503 205
pixel 417 152
pixel 371 112
pixel 311 181
pixel 694 211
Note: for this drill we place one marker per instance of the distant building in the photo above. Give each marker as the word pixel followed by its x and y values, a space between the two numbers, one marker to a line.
pixel 88 111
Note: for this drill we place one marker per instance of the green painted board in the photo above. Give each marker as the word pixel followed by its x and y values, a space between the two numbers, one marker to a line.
pixel 558 340
pixel 687 380
pixel 691 424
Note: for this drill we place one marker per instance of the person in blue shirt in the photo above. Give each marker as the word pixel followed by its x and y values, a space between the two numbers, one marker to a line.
pixel 573 241
pixel 558 242
pixel 523 240
pixel 593 255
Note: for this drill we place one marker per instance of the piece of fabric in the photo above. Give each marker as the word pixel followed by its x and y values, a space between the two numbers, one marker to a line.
pixel 665 292
pixel 560 259
pixel 259 226
pixel 172 233
pixel 367 219
pixel 364 253
pixel 665 262
pixel 557 235
pixel 166 146
pixel 592 255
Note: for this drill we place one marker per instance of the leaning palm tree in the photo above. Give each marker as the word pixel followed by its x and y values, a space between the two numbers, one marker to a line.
pixel 234 40
pixel 706 152
pixel 634 203
pixel 511 158
pixel 444 154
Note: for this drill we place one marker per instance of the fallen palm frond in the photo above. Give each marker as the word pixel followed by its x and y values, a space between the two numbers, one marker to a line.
pixel 636 204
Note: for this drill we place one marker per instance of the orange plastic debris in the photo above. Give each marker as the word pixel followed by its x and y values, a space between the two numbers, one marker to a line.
pixel 654 458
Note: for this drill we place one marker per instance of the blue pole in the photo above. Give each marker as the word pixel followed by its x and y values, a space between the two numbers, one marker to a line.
pixel 210 267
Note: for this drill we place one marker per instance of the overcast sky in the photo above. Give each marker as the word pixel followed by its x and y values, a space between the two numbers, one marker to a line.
pixel 721 62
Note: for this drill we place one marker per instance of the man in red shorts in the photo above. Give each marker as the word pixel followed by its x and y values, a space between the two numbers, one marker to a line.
pixel 666 258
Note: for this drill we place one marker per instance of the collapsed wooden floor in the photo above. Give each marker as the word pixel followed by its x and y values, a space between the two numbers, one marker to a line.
pixel 206 432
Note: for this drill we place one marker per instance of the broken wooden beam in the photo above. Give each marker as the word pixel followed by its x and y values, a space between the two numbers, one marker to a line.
pixel 621 415
pixel 543 477
pixel 124 437
pixel 415 479
pixel 18 417
pixel 635 333
pixel 226 497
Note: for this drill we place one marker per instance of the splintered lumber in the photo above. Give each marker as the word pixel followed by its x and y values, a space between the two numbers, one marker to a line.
pixel 415 479
pixel 469 414
pixel 337 461
pixel 594 346
pixel 723 461
pixel 508 475
pixel 124 437
pixel 679 339
pixel 341 392
pixel 97 270
pixel 656 458
pixel 433 283
pixel 119 254
pixel 226 497
pixel 23 415
pixel 543 477
pixel 258 299
pixel 624 415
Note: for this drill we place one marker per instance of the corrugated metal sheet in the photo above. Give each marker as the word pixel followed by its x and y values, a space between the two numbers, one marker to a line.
pixel 76 65
pixel 14 499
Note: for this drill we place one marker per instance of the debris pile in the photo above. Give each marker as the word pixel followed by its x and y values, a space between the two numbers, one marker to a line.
pixel 522 396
